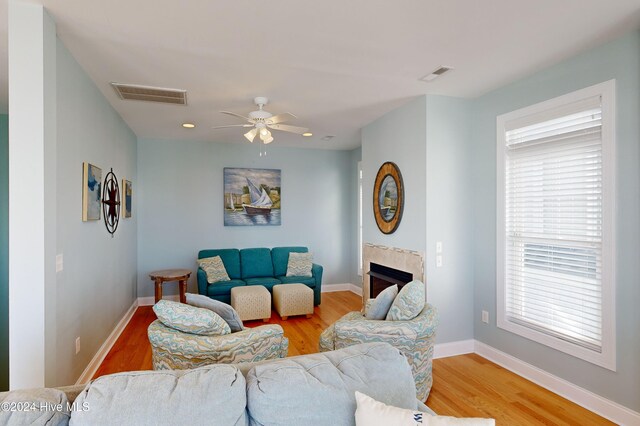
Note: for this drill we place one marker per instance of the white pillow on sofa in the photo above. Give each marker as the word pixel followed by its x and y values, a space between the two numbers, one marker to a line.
pixel 370 412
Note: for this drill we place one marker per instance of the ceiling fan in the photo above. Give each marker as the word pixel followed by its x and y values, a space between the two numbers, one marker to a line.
pixel 262 121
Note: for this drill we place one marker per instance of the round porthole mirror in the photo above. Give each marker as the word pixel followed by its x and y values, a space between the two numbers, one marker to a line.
pixel 388 197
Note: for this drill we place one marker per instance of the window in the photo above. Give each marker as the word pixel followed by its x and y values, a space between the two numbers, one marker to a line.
pixel 360 218
pixel 555 247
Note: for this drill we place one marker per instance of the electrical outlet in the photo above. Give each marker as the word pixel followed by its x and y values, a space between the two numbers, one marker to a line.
pixel 485 317
pixel 59 262
pixel 439 261
pixel 77 345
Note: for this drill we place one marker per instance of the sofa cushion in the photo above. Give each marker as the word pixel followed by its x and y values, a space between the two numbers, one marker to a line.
pixel 214 268
pixel 256 262
pixel 230 258
pixel 189 319
pixel 379 308
pixel 375 413
pixel 223 287
pixel 213 395
pixel 225 311
pixel 309 281
pixel 280 257
pixel 409 302
pixel 268 282
pixel 300 265
pixel 12 414
pixel 319 389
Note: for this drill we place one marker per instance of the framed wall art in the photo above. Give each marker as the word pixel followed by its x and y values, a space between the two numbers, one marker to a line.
pixel 126 198
pixel 388 197
pixel 252 197
pixel 91 192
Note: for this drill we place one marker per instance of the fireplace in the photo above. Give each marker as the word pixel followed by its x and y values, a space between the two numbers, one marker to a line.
pixel 398 266
pixel 381 277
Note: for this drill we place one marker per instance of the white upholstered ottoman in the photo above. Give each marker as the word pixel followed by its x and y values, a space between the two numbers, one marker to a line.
pixel 251 302
pixel 293 299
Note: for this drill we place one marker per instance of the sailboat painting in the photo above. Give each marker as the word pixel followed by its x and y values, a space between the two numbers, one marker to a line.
pixel 252 197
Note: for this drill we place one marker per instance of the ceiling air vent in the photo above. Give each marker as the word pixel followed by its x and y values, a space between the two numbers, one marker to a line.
pixel 436 73
pixel 133 92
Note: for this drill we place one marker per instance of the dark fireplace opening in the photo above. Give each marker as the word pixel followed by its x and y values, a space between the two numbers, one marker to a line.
pixel 381 277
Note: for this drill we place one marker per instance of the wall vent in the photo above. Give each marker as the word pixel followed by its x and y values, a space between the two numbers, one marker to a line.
pixel 436 73
pixel 135 92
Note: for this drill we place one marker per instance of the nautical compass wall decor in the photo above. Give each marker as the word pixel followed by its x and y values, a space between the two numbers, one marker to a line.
pixel 111 202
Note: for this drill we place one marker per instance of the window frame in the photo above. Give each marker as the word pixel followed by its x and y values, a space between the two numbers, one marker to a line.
pixel 607 357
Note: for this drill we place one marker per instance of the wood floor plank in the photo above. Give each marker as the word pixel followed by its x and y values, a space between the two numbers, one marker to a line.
pixel 463 386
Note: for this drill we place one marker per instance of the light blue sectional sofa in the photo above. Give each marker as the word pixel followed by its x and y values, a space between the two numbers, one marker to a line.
pixel 256 266
pixel 316 389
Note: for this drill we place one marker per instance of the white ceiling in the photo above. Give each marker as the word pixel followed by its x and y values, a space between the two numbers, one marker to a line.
pixel 336 64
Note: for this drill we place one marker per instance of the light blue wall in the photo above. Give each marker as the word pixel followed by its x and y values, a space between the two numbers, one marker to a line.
pixel 620 60
pixel 355 157
pixel 4 252
pixel 448 217
pixel 401 137
pixel 98 283
pixel 180 205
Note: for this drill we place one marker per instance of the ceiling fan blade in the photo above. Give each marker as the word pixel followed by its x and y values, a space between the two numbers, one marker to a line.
pixel 233 125
pixel 287 128
pixel 280 118
pixel 236 115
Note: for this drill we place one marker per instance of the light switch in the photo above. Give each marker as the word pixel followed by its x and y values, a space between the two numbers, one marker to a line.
pixel 439 247
pixel 59 262
pixel 439 261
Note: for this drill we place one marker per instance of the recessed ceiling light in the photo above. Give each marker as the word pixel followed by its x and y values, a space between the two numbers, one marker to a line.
pixel 188 125
pixel 307 134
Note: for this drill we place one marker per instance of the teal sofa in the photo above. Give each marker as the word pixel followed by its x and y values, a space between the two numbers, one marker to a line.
pixel 256 266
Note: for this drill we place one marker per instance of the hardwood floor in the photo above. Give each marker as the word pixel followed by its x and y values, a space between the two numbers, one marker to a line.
pixel 463 386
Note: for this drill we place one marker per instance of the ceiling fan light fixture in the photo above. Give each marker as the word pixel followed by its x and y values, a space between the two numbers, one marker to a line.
pixel 265 134
pixel 268 139
pixel 251 134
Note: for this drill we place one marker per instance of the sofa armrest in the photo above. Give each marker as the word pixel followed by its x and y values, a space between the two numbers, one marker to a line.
pixel 175 350
pixel 354 328
pixel 316 272
pixel 202 282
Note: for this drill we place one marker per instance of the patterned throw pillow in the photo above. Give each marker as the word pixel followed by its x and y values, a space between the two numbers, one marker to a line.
pixel 214 269
pixel 379 309
pixel 299 265
pixel 189 319
pixel 409 302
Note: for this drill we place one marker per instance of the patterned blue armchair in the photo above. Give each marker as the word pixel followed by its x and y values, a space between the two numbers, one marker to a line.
pixel 177 341
pixel 414 338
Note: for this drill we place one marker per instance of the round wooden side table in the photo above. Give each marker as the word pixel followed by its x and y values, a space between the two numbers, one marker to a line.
pixel 180 275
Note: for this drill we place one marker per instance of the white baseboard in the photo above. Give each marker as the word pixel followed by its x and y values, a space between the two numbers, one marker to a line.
pixel 330 288
pixel 97 359
pixel 461 347
pixel 151 300
pixel 587 399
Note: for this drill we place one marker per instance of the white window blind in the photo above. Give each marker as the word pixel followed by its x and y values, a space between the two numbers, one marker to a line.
pixel 553 218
